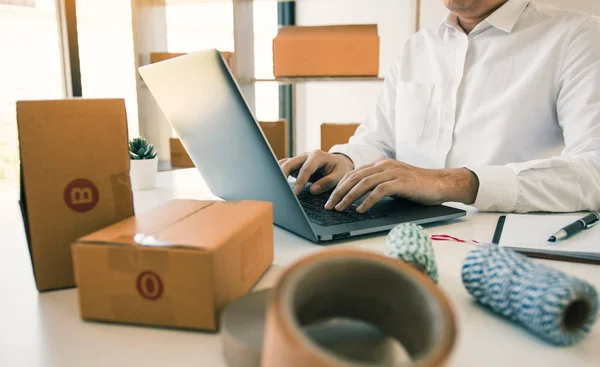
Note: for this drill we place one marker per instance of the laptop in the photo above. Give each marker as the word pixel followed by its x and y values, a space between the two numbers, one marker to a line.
pixel 202 101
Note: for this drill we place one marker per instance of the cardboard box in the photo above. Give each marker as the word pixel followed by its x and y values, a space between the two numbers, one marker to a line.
pixel 74 178
pixel 345 50
pixel 179 156
pixel 177 265
pixel 276 133
pixel 333 134
pixel 162 56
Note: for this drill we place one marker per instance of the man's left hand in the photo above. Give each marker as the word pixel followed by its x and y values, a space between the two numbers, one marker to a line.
pixel 389 177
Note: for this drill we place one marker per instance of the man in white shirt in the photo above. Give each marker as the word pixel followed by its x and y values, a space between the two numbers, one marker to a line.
pixel 498 107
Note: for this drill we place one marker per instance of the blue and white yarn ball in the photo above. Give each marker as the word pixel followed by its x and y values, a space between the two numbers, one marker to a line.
pixel 411 243
pixel 554 306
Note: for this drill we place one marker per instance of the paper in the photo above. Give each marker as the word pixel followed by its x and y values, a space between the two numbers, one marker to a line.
pixel 529 233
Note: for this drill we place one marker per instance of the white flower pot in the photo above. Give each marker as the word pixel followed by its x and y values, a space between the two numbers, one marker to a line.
pixel 143 173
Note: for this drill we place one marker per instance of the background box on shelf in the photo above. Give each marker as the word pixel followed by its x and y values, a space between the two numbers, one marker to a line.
pixel 275 131
pixel 344 50
pixel 74 178
pixel 179 156
pixel 162 56
pixel 333 134
pixel 177 265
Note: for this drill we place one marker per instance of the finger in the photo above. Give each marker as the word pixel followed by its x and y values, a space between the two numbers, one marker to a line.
pixel 312 164
pixel 365 185
pixel 325 184
pixel 282 161
pixel 381 191
pixel 348 182
pixel 293 164
pixel 359 169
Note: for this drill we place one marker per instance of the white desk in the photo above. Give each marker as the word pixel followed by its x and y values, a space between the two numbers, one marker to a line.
pixel 45 329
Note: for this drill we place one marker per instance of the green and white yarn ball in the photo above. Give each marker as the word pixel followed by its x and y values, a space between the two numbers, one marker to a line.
pixel 410 243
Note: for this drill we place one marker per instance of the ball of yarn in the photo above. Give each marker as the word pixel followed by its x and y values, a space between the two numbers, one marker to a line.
pixel 411 243
pixel 556 307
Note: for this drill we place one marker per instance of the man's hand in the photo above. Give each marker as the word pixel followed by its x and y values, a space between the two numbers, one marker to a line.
pixel 388 177
pixel 330 167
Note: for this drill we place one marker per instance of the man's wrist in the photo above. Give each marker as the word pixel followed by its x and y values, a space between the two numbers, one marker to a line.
pixel 350 161
pixel 459 185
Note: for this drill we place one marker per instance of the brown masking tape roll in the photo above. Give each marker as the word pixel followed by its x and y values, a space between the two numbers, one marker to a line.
pixel 242 334
pixel 352 284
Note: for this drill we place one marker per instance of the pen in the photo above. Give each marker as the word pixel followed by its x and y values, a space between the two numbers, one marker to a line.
pixel 579 225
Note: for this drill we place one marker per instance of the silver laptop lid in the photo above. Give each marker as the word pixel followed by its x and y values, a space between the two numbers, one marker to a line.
pixel 201 100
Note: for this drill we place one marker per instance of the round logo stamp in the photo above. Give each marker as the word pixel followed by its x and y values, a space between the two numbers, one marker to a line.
pixel 149 285
pixel 81 195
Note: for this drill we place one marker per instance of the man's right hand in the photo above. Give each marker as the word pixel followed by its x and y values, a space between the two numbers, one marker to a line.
pixel 330 167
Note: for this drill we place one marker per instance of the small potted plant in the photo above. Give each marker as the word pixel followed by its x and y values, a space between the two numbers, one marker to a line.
pixel 144 164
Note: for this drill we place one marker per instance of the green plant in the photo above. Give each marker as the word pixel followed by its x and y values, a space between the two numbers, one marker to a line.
pixel 140 149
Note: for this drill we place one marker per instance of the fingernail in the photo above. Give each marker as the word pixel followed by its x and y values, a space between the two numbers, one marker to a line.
pixel 328 205
pixel 316 188
pixel 360 208
pixel 339 206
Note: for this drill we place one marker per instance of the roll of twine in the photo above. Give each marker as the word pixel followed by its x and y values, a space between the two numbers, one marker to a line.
pixel 410 243
pixel 556 307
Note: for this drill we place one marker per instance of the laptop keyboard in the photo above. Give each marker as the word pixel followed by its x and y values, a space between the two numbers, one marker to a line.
pixel 314 206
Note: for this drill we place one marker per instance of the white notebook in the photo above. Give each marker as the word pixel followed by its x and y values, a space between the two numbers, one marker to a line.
pixel 529 233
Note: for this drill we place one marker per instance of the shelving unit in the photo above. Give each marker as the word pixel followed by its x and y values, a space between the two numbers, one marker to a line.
pixel 243 60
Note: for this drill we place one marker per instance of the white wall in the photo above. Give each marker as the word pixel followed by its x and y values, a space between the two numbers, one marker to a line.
pixel 348 101
pixel 353 102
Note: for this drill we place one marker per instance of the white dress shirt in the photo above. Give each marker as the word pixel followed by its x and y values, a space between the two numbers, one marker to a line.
pixel 517 101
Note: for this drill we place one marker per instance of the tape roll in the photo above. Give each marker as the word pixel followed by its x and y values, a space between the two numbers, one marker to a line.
pixel 351 284
pixel 243 325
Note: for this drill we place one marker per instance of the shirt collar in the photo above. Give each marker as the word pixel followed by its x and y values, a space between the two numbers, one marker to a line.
pixel 504 18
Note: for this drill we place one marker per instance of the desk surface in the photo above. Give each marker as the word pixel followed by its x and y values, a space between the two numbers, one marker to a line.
pixel 44 329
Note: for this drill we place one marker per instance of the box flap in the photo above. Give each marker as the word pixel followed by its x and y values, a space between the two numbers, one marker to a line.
pixel 146 224
pixel 181 223
pixel 352 30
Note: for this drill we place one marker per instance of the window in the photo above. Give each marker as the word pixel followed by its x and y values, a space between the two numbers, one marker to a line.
pixel 106 54
pixel 32 70
pixel 265 29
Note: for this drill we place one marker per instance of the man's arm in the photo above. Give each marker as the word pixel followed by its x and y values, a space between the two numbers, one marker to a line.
pixel 570 182
pixel 374 138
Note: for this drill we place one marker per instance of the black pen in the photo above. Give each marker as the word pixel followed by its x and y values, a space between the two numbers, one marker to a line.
pixel 579 225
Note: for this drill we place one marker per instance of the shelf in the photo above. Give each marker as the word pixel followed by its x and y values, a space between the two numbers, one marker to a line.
pixel 182 2
pixel 296 80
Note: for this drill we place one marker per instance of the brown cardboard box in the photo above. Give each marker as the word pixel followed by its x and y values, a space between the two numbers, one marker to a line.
pixel 162 56
pixel 345 50
pixel 179 156
pixel 74 178
pixel 188 261
pixel 276 133
pixel 332 134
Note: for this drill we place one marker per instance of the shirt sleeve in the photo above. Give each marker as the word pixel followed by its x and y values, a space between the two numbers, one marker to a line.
pixel 374 138
pixel 571 181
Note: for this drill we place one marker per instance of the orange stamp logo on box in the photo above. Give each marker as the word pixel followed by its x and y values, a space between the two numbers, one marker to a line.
pixel 149 285
pixel 81 195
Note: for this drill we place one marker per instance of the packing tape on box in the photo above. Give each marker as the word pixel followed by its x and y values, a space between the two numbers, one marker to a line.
pixel 121 188
pixel 342 308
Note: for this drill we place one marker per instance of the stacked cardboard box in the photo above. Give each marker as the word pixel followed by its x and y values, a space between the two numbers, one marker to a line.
pixel 162 56
pixel 345 50
pixel 276 133
pixel 333 134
